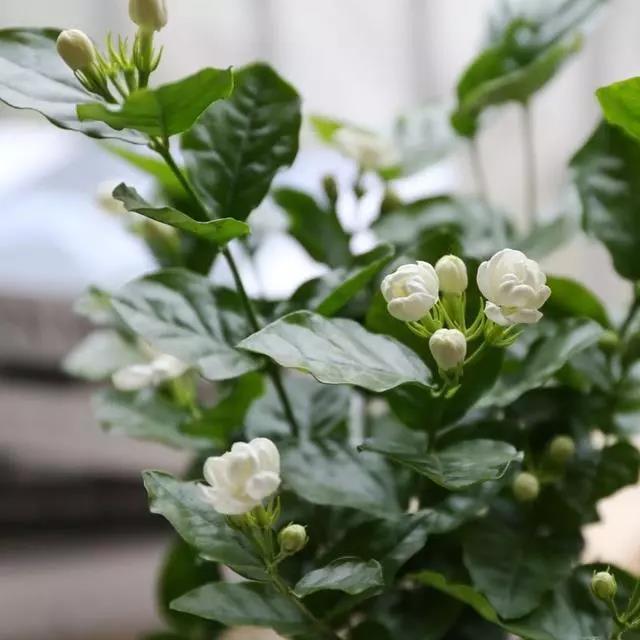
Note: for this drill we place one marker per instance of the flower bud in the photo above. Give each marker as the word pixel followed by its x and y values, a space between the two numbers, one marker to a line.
pixel 526 487
pixel 609 341
pixel 448 348
pixel 452 273
pixel 76 49
pixel 292 538
pixel 149 14
pixel 562 449
pixel 604 586
pixel 411 291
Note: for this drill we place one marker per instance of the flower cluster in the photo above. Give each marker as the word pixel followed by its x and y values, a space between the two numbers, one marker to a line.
pixel 160 369
pixel 432 301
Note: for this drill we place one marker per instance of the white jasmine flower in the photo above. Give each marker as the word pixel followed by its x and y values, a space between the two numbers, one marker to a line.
pixel 369 150
pixel 411 291
pixel 149 14
pixel 514 286
pixel 452 274
pixel 76 49
pixel 448 348
pixel 140 376
pixel 242 478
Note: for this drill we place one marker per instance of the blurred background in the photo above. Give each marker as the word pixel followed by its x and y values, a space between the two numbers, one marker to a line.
pixel 76 542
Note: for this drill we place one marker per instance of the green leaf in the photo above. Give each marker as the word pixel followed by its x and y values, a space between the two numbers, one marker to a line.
pixel 167 110
pixel 100 355
pixel 182 571
pixel 549 356
pixel 325 128
pixel 95 305
pixel 392 540
pixel 620 104
pixel 184 506
pixel 315 227
pixel 350 575
pixel 456 467
pixel 219 422
pixel 570 299
pixel 145 416
pixel 330 293
pixel 236 148
pixel 546 237
pixel 218 232
pixel 338 351
pixel 34 77
pixel 605 174
pixel 330 473
pixel 181 313
pixel 234 605
pixel 318 408
pixel 516 567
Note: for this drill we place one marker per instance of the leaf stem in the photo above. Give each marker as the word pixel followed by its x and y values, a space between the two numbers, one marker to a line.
pixel 530 170
pixel 163 149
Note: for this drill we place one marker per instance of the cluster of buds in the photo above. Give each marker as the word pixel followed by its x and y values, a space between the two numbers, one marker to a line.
pixel 432 301
pixel 122 69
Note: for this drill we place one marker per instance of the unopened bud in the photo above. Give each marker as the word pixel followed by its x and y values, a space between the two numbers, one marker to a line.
pixel 293 538
pixel 604 585
pixel 76 49
pixel 149 14
pixel 562 449
pixel 448 348
pixel 609 341
pixel 526 487
pixel 452 274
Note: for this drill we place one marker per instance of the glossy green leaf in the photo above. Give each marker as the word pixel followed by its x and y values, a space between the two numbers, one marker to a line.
pixel 145 416
pixel 184 506
pixel 391 540
pixel 100 355
pixel 181 313
pixel 456 467
pixel 338 351
pixel 236 148
pixel 620 104
pixel 167 110
pixel 330 293
pixel 549 356
pixel 251 604
pixel 605 174
pixel 330 473
pixel 571 299
pixel 319 409
pixel 34 77
pixel 218 232
pixel 316 227
pixel 350 575
pixel 325 128
pixel 516 567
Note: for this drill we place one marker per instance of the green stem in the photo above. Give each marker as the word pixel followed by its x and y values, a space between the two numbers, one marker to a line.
pixel 476 354
pixel 635 305
pixel 530 170
pixel 162 147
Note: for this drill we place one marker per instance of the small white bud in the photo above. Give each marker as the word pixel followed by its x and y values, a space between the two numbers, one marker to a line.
pixel 526 487
pixel 452 273
pixel 76 49
pixel 562 449
pixel 293 538
pixel 448 348
pixel 149 14
pixel 604 585
pixel 410 291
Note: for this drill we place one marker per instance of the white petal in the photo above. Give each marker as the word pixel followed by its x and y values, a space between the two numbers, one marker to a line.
pixel 262 485
pixel 168 367
pixel 215 471
pixel 241 464
pixel 483 280
pixel 412 308
pixel 268 454
pixel 525 316
pixel 494 313
pixel 226 504
pixel 133 378
pixel 543 296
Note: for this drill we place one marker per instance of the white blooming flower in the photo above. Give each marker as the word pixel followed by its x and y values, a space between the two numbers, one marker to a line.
pixel 514 286
pixel 76 49
pixel 452 274
pixel 411 291
pixel 242 478
pixel 149 14
pixel 369 150
pixel 448 348
pixel 151 374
